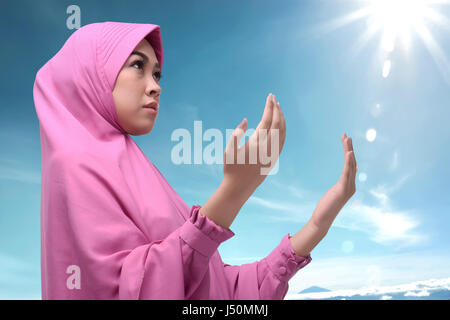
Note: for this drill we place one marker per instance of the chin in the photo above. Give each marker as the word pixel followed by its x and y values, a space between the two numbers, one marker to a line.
pixel 141 132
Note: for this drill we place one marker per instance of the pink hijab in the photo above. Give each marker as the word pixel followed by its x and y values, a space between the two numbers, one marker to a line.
pixel 110 223
pixel 83 146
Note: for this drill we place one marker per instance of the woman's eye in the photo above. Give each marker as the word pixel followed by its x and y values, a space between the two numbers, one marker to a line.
pixel 158 75
pixel 140 66
pixel 138 63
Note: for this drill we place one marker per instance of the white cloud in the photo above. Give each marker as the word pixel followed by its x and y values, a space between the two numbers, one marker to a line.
pixel 423 293
pixel 356 273
pixel 383 223
pixel 413 289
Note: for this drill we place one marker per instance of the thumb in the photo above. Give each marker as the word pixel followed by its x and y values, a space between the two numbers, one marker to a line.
pixel 243 124
pixel 345 175
pixel 240 130
pixel 237 134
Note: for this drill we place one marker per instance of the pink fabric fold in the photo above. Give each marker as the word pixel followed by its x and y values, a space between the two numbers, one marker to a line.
pixel 112 227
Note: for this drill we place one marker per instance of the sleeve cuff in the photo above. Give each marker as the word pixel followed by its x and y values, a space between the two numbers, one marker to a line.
pixel 203 234
pixel 284 262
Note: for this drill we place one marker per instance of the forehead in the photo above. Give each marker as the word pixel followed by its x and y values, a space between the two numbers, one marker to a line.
pixel 145 47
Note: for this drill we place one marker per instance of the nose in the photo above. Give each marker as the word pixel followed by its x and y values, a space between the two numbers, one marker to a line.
pixel 153 89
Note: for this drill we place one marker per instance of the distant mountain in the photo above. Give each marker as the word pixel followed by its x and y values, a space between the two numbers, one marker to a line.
pixel 314 289
pixel 432 289
pixel 405 295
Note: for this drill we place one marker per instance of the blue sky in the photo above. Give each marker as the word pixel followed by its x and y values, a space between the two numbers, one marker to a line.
pixel 221 59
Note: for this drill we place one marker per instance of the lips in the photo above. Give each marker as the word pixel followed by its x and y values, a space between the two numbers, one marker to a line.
pixel 152 105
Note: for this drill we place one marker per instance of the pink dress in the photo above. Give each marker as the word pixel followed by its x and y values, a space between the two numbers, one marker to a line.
pixel 112 227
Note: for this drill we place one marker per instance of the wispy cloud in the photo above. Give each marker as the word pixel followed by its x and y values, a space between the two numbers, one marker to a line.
pixel 18 279
pixel 292 211
pixel 292 189
pixel 382 222
pixel 384 225
pixel 12 171
pixel 394 163
pixel 384 191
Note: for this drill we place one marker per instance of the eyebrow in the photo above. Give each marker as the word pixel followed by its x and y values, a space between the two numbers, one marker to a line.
pixel 157 65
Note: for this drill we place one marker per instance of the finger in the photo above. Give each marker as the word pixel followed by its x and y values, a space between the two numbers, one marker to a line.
pixel 276 118
pixel 353 173
pixel 350 144
pixel 283 119
pixel 237 134
pixel 344 143
pixel 240 130
pixel 275 128
pixel 283 126
pixel 355 163
pixel 266 120
pixel 347 167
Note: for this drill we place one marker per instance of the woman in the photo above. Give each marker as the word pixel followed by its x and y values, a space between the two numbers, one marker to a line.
pixel 111 225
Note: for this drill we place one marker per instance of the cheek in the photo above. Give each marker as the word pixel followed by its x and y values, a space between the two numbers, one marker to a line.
pixel 127 93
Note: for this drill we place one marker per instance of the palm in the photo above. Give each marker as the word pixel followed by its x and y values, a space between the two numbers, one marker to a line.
pixel 244 164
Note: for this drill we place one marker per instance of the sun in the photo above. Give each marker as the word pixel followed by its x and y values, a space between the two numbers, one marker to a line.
pixel 398 21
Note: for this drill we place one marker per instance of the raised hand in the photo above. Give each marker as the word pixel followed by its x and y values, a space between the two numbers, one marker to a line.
pixel 332 202
pixel 245 167
pixel 347 180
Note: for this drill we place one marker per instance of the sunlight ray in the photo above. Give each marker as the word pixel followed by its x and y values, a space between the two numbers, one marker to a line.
pixel 344 20
pixel 437 18
pixel 435 50
pixel 364 39
pixel 397 20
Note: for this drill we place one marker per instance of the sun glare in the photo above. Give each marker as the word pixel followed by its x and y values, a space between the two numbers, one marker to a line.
pixel 397 21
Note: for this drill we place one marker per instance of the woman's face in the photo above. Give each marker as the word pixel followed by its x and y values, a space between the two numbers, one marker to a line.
pixel 136 86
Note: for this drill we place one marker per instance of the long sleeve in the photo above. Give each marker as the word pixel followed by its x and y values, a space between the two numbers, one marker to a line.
pixel 176 267
pixel 96 247
pixel 268 278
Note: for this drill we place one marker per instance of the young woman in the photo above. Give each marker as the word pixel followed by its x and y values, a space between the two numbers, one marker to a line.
pixel 111 225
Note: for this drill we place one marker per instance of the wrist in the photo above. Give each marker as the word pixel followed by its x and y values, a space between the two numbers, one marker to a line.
pixel 233 198
pixel 236 192
pixel 306 239
pixel 223 206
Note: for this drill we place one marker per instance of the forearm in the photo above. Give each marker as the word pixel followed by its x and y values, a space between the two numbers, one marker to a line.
pixel 224 205
pixel 307 238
